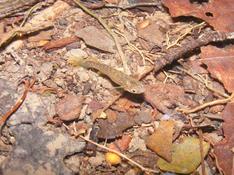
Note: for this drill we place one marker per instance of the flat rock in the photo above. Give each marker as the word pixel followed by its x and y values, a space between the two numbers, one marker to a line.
pixel 37 150
pixel 96 38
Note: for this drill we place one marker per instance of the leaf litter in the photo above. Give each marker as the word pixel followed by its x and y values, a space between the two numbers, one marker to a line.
pixel 169 127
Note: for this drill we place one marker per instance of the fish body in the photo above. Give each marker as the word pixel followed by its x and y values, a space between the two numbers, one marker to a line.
pixel 127 82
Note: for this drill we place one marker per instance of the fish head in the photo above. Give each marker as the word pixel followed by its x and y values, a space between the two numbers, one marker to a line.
pixel 135 87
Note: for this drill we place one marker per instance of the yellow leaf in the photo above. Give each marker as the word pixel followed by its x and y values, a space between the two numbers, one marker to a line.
pixel 186 156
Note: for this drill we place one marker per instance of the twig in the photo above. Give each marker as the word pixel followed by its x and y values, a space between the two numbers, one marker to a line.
pixel 18 103
pixel 21 31
pixel 134 47
pixel 212 103
pixel 188 46
pixel 112 34
pixel 121 155
pixel 182 36
pixel 33 8
pixel 202 152
pixel 223 94
pixel 129 6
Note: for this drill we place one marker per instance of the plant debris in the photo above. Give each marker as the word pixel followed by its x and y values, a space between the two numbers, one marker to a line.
pixel 186 156
pixel 150 90
pixel 161 140
pixel 69 107
pixel 165 97
pixel 220 19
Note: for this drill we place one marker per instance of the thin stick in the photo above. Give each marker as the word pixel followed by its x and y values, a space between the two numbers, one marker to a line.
pixel 212 103
pixel 120 154
pixel 21 31
pixel 189 45
pixel 183 35
pixel 18 103
pixel 202 152
pixel 30 12
pixel 112 34
pixel 134 47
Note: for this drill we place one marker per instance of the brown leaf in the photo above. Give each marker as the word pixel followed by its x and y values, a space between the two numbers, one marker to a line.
pixel 43 35
pixel 59 43
pixel 110 130
pixel 161 140
pixel 220 64
pixel 121 144
pixel 145 158
pixel 111 115
pixel 166 96
pixel 154 33
pixel 218 14
pixel 69 107
pixel 124 104
pixel 223 149
pixel 94 105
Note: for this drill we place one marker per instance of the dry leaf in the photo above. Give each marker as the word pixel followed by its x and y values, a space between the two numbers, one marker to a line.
pixel 154 33
pixel 186 156
pixel 69 107
pixel 110 130
pixel 121 144
pixel 218 14
pixel 161 140
pixel 223 149
pixel 220 62
pixel 166 96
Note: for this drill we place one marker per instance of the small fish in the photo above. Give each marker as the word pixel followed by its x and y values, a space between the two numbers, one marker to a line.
pixel 126 82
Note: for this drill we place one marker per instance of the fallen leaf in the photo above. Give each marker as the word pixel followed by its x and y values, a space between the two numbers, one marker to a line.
pixel 223 149
pixel 96 38
pixel 69 107
pixel 145 158
pixel 143 116
pixel 111 115
pixel 186 156
pixel 94 105
pixel 125 104
pixel 165 97
pixel 110 130
pixel 121 144
pixel 217 13
pixel 161 140
pixel 220 63
pixel 154 32
pixel 59 43
pixel 43 35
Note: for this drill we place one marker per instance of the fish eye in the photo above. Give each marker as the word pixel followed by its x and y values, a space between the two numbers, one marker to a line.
pixel 133 90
